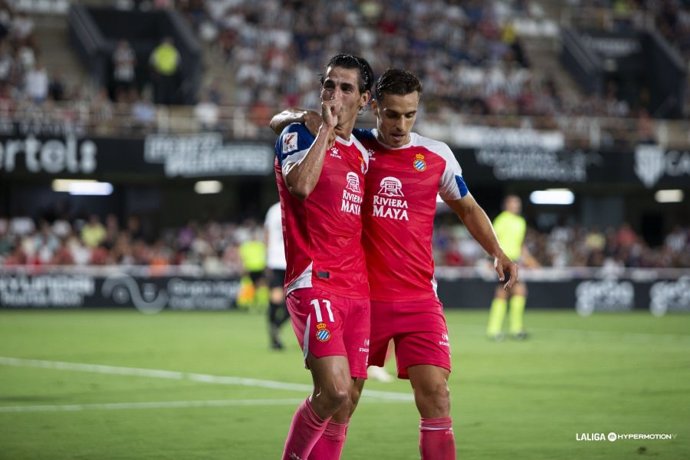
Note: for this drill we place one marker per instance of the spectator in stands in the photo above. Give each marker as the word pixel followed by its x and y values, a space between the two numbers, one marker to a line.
pixel 36 84
pixel 57 88
pixel 93 232
pixel 7 63
pixel 165 64
pixel 207 113
pixel 143 112
pixel 5 22
pixel 124 62
pixel 22 30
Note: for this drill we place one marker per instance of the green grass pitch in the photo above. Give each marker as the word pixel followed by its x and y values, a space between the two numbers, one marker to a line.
pixel 622 373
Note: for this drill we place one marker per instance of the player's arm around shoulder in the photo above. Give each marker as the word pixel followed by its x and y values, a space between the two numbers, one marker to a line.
pixel 479 226
pixel 311 119
pixel 302 176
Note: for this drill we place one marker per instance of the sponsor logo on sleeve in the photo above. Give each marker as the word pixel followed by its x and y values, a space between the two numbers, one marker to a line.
pixel 289 142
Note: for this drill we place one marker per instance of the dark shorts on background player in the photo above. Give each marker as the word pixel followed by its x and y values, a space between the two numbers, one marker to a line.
pixel 418 329
pixel 257 276
pixel 330 325
pixel 276 278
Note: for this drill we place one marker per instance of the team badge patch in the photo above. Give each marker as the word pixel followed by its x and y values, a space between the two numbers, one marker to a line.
pixel 419 163
pixel 322 332
pixel 289 142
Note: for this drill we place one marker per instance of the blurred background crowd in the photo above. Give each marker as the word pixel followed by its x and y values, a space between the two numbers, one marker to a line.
pixel 472 61
pixel 267 55
pixel 214 246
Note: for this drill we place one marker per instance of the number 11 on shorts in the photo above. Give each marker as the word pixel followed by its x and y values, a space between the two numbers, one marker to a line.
pixel 317 310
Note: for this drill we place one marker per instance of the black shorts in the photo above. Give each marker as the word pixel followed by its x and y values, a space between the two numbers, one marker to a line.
pixel 257 276
pixel 276 278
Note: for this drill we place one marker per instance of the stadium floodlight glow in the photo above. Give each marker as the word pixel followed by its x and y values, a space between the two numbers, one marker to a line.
pixel 669 196
pixel 82 187
pixel 206 187
pixel 557 196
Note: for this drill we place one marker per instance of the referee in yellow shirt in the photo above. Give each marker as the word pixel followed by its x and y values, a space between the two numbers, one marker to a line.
pixel 510 228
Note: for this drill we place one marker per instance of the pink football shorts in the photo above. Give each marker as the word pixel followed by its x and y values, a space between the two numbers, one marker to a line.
pixel 418 330
pixel 331 325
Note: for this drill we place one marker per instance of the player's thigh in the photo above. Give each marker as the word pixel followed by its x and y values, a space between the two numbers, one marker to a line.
pixel 330 373
pixel 356 334
pixel 319 326
pixel 382 333
pixel 425 344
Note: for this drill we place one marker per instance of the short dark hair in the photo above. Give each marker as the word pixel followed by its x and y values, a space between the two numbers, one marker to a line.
pixel 349 61
pixel 396 81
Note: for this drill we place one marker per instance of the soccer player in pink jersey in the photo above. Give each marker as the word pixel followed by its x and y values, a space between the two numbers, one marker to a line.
pixel 321 186
pixel 406 172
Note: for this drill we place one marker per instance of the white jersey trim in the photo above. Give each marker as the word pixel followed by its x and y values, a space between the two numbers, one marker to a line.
pixel 449 188
pixel 302 281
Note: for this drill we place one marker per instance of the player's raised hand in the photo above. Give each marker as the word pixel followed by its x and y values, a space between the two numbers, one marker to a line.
pixel 507 271
pixel 329 111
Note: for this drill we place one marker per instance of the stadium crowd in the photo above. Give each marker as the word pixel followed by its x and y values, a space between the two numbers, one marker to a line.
pixel 574 246
pixel 471 62
pixel 213 246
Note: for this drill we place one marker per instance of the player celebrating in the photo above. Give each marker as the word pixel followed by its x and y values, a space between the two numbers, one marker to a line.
pixel 321 185
pixel 406 173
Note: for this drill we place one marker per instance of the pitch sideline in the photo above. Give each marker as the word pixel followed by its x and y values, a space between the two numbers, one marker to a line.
pixel 190 376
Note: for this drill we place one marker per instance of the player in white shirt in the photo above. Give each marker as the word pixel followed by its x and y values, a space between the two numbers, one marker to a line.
pixel 275 263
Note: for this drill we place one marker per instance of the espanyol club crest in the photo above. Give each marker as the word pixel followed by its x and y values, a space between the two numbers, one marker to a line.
pixel 419 163
pixel 322 332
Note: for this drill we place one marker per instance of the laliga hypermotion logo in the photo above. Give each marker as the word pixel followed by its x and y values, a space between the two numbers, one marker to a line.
pixel 650 164
pixel 289 142
pixel 391 186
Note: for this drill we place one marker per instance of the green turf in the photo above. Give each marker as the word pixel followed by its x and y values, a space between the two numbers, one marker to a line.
pixel 626 373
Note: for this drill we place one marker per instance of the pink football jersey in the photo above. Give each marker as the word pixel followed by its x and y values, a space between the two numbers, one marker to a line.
pixel 323 233
pixel 399 208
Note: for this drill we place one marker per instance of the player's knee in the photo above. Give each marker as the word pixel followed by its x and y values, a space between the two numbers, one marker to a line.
pixel 520 289
pixel 337 398
pixel 355 394
pixel 433 399
pixel 277 295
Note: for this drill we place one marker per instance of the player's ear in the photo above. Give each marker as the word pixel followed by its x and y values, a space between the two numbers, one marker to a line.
pixel 365 100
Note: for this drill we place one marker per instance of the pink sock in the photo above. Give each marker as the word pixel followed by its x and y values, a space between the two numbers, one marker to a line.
pixel 330 444
pixel 436 440
pixel 306 428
